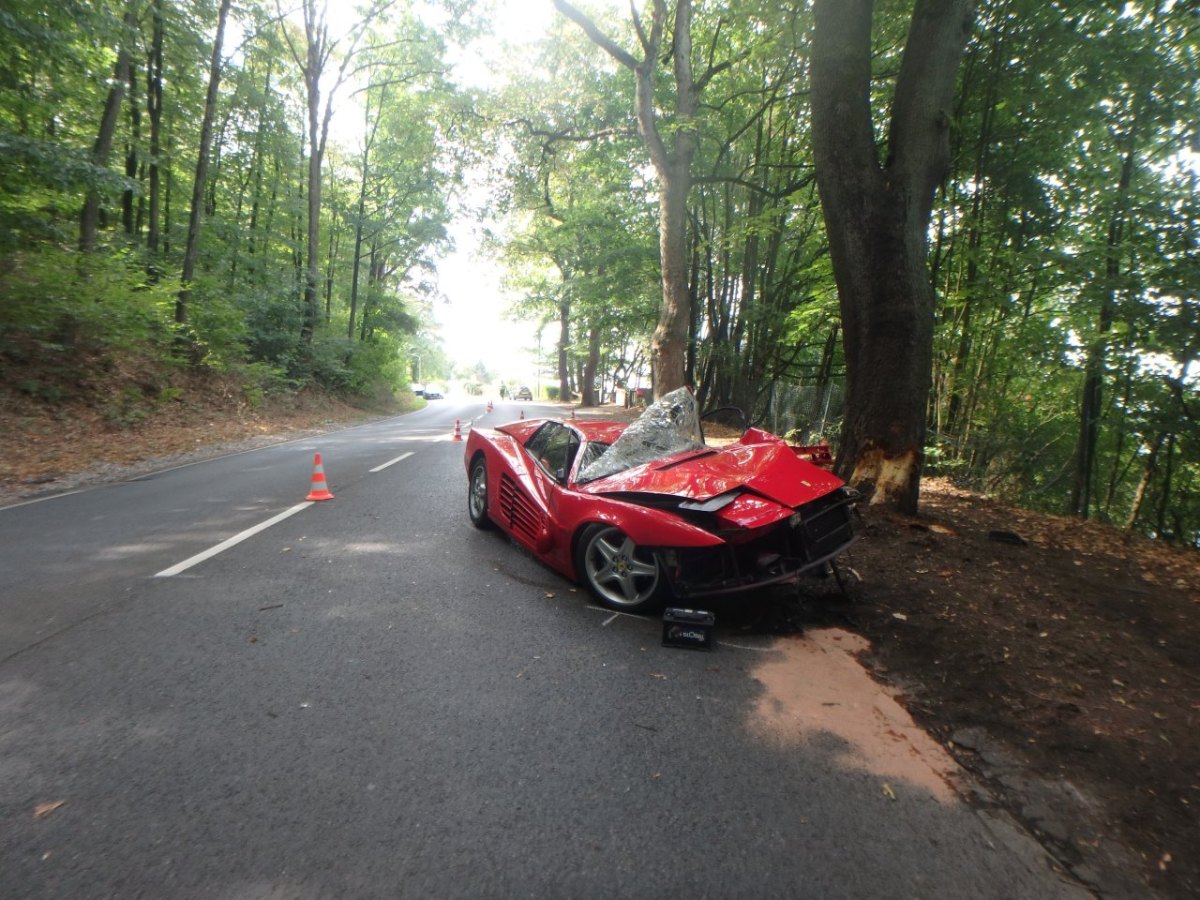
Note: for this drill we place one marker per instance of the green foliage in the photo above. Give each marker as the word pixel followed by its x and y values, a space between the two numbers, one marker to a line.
pixel 1058 255
pixel 244 311
pixel 72 309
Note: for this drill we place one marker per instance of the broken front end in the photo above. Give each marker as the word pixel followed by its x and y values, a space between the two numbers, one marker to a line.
pixel 760 547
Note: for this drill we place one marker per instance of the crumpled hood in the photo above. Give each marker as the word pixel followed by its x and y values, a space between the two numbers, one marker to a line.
pixel 770 469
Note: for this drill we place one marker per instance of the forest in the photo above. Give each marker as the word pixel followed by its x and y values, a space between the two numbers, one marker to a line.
pixel 967 227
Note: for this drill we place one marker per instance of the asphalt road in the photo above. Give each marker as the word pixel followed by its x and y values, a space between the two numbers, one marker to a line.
pixel 370 698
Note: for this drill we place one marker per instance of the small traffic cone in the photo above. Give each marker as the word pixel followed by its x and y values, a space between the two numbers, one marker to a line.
pixel 319 490
pixel 457 431
pixel 522 414
pixel 489 406
pixel 572 412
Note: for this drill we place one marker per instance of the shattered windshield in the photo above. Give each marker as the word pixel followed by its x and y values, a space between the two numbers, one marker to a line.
pixel 669 425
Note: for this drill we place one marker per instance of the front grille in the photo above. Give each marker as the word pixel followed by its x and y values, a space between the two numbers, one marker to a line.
pixel 776 554
pixel 825 525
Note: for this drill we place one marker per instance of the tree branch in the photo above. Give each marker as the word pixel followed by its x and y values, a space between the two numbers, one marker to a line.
pixel 598 37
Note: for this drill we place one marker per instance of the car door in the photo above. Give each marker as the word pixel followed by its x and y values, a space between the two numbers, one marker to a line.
pixel 551 452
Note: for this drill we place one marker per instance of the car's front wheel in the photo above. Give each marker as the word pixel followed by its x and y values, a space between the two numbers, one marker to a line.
pixel 477 493
pixel 621 574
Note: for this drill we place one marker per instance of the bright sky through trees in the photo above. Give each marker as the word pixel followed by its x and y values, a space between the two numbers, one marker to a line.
pixel 470 311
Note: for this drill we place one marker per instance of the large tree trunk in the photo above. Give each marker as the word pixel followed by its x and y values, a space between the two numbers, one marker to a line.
pixel 668 346
pixel 192 247
pixel 876 216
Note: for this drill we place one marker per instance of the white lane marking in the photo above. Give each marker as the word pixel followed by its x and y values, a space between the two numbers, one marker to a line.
pixel 236 539
pixel 392 462
pixel 616 615
pixel 42 499
pixel 744 647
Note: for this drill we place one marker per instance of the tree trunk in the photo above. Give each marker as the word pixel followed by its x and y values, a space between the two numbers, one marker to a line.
pixel 1092 401
pixel 168 192
pixel 154 105
pixel 128 200
pixel 672 164
pixel 359 225
pixel 218 148
pixel 563 348
pixel 192 247
pixel 668 346
pixel 335 243
pixel 975 232
pixel 89 217
pixel 1164 496
pixel 587 386
pixel 877 216
pixel 313 232
pixel 257 202
pixel 1148 473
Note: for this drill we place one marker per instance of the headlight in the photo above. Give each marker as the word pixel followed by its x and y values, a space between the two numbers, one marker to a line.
pixel 712 505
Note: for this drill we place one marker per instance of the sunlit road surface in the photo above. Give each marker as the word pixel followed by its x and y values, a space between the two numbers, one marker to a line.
pixel 211 688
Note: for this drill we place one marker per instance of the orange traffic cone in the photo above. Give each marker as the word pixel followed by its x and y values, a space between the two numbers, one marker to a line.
pixel 457 431
pixel 319 490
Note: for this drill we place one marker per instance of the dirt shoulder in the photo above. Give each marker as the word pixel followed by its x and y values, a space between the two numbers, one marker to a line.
pixel 46 450
pixel 1060 661
pixel 1057 660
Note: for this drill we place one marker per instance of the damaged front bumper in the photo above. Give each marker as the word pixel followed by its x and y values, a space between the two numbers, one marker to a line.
pixel 779 554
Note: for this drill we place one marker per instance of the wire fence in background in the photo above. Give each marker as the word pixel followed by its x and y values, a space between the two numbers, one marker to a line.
pixel 805 412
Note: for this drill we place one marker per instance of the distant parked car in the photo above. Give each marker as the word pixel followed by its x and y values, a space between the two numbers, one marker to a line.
pixel 431 394
pixel 524 393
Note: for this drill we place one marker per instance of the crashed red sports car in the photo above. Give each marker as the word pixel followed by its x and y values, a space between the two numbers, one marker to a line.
pixel 646 512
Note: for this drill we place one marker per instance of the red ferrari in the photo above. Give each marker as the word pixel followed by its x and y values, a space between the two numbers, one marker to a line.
pixel 646 512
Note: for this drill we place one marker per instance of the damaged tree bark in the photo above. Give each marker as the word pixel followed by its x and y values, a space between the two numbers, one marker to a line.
pixel 877 216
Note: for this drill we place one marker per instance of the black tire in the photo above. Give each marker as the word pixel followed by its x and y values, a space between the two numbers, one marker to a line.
pixel 620 574
pixel 477 493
